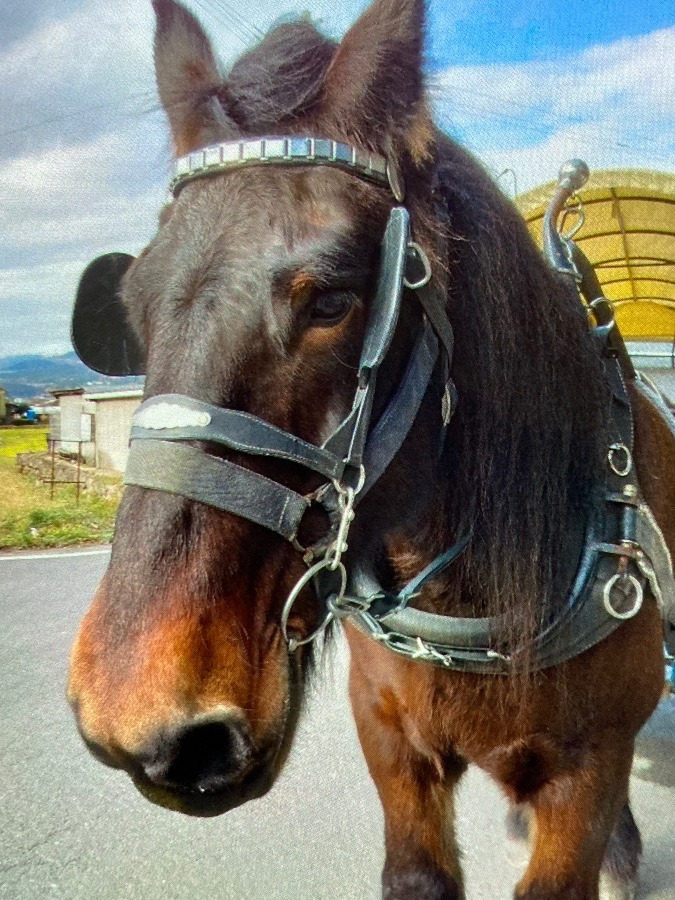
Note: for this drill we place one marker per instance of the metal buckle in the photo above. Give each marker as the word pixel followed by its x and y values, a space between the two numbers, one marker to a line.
pixel 332 560
pixel 425 278
pixel 343 606
pixel 346 498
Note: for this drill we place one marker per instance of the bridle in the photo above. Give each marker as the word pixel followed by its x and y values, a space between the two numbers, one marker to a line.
pixel 357 453
pixel 623 547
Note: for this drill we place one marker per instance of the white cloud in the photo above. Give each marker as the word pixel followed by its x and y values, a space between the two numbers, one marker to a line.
pixel 52 278
pixel 85 157
pixel 73 78
pixel 58 210
pixel 35 305
pixel 85 195
pixel 612 105
pixel 86 73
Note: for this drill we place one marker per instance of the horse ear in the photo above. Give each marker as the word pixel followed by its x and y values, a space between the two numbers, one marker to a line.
pixel 374 86
pixel 190 86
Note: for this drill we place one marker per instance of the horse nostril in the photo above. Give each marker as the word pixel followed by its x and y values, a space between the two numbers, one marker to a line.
pixel 204 757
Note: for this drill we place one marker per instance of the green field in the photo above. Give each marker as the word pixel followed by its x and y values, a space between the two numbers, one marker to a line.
pixel 30 518
pixel 21 439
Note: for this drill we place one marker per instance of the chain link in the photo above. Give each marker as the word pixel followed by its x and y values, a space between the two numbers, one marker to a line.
pixel 416 648
pixel 331 560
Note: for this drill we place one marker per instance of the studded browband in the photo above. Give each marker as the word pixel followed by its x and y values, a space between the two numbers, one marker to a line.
pixel 286 151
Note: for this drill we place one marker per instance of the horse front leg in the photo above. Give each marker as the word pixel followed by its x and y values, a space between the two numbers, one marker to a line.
pixel 575 815
pixel 415 786
pixel 619 872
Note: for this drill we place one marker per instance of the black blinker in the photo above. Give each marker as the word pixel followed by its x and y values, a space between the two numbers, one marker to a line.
pixel 100 332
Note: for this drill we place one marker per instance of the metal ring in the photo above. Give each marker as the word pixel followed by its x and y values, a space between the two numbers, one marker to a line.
pixel 600 301
pixel 342 489
pixel 327 562
pixel 573 207
pixel 621 471
pixel 342 607
pixel 607 599
pixel 424 259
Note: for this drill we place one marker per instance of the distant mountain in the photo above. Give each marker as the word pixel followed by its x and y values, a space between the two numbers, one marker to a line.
pixel 30 376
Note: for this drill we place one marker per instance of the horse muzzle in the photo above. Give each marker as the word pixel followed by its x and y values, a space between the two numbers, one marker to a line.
pixel 203 767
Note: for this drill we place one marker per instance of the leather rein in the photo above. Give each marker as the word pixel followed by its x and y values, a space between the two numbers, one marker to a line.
pixel 617 555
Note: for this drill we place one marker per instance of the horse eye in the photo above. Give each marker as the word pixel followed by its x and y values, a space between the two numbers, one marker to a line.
pixel 329 309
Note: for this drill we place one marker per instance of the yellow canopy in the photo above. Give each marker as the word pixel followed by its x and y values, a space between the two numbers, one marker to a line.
pixel 629 237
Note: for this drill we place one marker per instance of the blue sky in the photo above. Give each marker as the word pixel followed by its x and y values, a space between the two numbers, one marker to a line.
pixel 85 155
pixel 512 31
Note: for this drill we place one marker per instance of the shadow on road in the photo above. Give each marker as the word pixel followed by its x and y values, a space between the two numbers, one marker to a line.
pixel 655 746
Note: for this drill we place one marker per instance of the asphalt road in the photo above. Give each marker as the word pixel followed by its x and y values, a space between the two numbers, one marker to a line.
pixel 73 830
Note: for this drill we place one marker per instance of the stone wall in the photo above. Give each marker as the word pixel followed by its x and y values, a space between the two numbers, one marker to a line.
pixel 39 465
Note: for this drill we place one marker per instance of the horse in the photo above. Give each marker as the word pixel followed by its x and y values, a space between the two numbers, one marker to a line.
pixel 365 385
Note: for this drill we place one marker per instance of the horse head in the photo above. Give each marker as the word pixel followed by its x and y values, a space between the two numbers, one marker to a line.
pixel 254 296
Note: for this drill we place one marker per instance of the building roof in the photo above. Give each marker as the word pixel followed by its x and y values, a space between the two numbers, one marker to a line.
pixel 115 395
pixel 628 234
pixel 64 392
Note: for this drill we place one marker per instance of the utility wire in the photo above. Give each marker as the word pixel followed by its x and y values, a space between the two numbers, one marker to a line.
pixel 233 22
pixel 503 112
pixel 460 102
pixel 79 113
pixel 232 13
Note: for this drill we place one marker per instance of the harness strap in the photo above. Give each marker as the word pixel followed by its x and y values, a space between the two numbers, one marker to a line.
pixel 591 290
pixel 348 441
pixel 468 644
pixel 175 417
pixel 160 459
pixel 284 151
pixel 185 470
pixel 387 302
pixel 434 307
pixel 393 426
pixel 478 633
pixel 393 610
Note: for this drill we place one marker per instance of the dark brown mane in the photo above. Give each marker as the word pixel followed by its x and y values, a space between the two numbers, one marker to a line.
pixel 524 454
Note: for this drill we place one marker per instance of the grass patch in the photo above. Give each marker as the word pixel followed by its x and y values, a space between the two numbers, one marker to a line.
pixel 22 439
pixel 29 518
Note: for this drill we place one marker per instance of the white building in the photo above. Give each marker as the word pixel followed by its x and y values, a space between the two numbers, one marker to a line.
pixel 98 423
